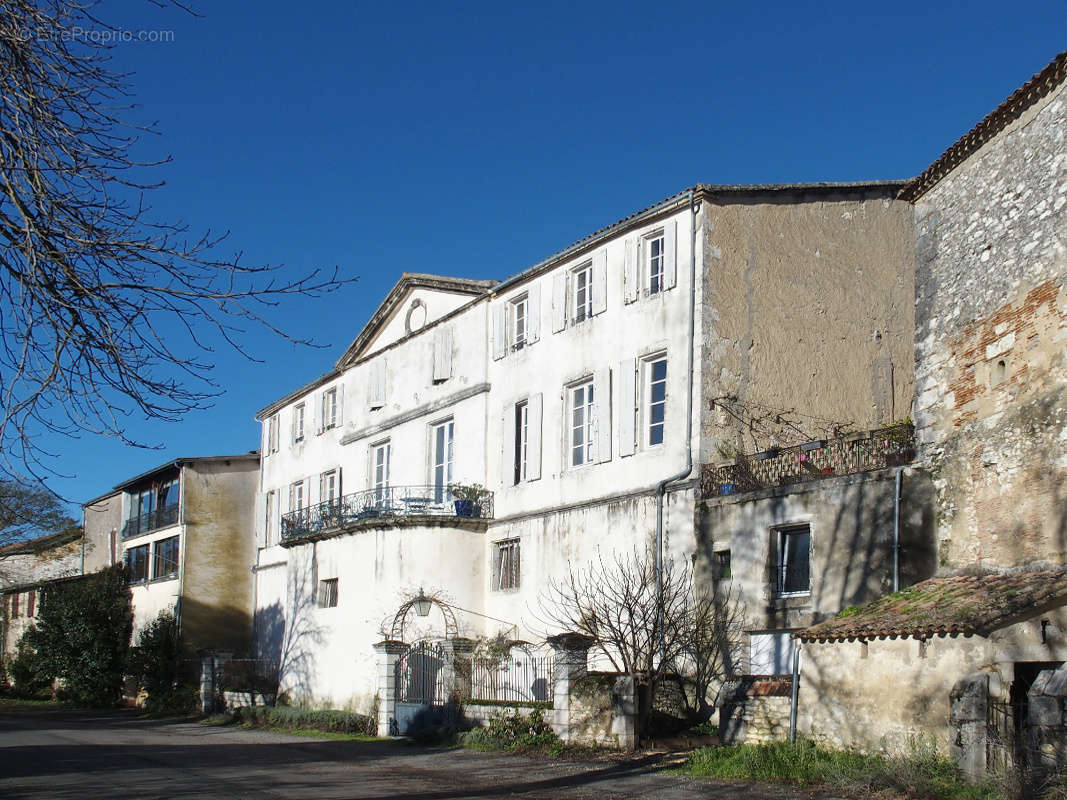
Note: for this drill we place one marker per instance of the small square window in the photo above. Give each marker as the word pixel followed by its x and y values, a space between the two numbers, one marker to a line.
pixel 328 593
pixel 582 293
pixel 793 560
pixel 506 565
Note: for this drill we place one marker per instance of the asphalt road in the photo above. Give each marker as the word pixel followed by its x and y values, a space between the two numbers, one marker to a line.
pixel 63 754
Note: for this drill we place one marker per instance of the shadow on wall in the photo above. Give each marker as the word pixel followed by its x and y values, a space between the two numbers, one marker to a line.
pixel 293 642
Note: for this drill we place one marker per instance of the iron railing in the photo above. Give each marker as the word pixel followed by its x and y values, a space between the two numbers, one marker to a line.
pixel 794 578
pixel 514 679
pixel 150 521
pixel 892 446
pixel 384 504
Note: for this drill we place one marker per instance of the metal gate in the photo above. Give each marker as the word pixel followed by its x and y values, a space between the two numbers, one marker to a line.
pixel 425 678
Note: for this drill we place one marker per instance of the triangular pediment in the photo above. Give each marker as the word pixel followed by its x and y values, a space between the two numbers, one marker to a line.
pixel 413 303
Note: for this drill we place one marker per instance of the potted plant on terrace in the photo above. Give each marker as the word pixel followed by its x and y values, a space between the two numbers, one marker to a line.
pixel 468 498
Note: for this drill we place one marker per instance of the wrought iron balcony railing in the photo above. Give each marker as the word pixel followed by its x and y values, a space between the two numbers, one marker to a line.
pixel 150 521
pixel 384 504
pixel 891 446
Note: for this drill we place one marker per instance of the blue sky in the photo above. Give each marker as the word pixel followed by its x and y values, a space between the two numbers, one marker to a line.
pixel 476 139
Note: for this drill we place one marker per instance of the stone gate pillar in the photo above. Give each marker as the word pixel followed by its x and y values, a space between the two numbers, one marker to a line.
pixel 570 663
pixel 388 652
pixel 969 715
pixel 456 669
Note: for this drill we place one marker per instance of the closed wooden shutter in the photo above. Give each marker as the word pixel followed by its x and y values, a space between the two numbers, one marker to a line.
pixel 670 252
pixel 533 313
pixel 500 331
pixel 600 281
pixel 559 302
pixel 627 393
pixel 602 403
pixel 631 279
pixel 534 410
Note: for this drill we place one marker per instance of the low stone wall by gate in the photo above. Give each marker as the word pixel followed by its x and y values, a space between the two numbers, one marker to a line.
pixel 755 709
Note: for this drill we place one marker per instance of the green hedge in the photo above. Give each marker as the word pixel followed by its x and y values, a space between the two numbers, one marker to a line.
pixel 306 719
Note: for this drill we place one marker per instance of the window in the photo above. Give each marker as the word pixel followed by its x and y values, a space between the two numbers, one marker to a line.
pixel 655 400
pixel 792 568
pixel 272 434
pixel 268 519
pixel 722 565
pixel 329 409
pixel 582 292
pixel 165 558
pixel 297 500
pixel 137 563
pixel 380 470
pixel 328 593
pixel 298 422
pixel 506 565
pixel 442 460
pixel 520 311
pixel 655 262
pixel 522 440
pixel 582 424
pixel 329 487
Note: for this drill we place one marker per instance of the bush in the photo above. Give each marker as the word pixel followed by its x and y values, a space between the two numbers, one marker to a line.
pixel 517 733
pixel 306 718
pixel 28 675
pixel 154 664
pixel 921 772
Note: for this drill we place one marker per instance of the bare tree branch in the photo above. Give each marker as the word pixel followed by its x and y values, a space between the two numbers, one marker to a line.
pixel 106 313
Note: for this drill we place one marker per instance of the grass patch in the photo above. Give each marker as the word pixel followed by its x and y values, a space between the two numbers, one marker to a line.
pixel 921 773
pixel 25 704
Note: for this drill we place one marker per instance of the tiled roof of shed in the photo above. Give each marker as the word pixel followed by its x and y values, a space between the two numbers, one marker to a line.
pixel 994 122
pixel 960 604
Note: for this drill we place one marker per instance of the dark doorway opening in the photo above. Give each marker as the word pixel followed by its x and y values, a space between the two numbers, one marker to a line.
pixel 1026 673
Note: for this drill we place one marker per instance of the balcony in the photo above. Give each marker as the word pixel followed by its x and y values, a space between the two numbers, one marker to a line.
pixel 892 446
pixel 153 520
pixel 387 507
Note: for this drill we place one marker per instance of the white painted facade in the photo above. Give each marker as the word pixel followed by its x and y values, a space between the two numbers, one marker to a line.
pixel 506 365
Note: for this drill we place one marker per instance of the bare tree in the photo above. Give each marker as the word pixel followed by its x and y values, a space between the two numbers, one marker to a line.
pixel 645 635
pixel 105 311
pixel 27 511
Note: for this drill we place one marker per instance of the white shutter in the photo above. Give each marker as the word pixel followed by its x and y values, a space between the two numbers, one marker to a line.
pixel 442 353
pixel 262 537
pixel 600 281
pixel 507 457
pixel 533 433
pixel 266 438
pixel 500 331
pixel 602 401
pixel 559 302
pixel 317 401
pixel 533 314
pixel 340 404
pixel 631 280
pixel 627 406
pixel 670 252
pixel 376 389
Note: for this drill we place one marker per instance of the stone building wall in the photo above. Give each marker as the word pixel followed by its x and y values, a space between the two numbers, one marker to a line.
pixel 991 344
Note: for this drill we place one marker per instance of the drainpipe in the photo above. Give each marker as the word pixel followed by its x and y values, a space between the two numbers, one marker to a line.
pixel 896 529
pixel 661 488
pixel 796 690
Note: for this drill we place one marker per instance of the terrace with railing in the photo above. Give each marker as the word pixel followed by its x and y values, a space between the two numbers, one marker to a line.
pixel 853 453
pixel 150 521
pixel 390 505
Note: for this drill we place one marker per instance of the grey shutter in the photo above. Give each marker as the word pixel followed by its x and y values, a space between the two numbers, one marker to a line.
pixel 500 331
pixel 442 353
pixel 533 443
pixel 670 252
pixel 600 281
pixel 533 313
pixel 262 537
pixel 507 457
pixel 602 401
pixel 631 283
pixel 627 406
pixel 559 301
pixel 376 391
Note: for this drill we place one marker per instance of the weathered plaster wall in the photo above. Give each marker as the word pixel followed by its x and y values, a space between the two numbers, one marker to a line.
pixel 991 329
pixel 219 550
pixel 102 522
pixel 876 695
pixel 851 521
pixel 808 311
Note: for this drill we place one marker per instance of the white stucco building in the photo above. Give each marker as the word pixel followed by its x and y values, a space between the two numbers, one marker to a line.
pixel 574 393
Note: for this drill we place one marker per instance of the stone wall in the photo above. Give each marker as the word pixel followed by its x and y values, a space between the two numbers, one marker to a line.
pixel 755 710
pixel 991 327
